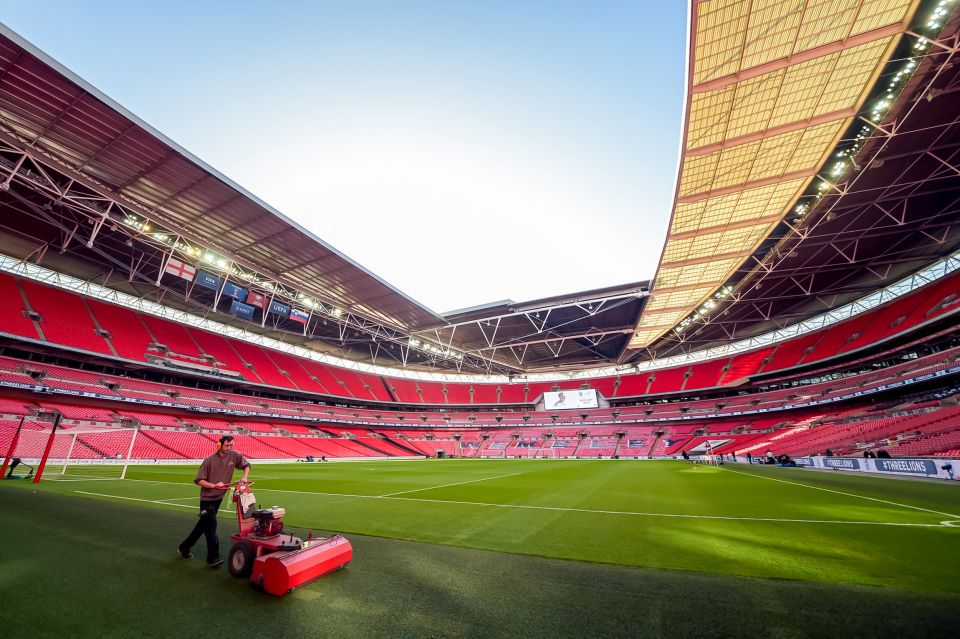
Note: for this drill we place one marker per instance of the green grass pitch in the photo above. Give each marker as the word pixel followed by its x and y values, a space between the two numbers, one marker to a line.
pixel 450 548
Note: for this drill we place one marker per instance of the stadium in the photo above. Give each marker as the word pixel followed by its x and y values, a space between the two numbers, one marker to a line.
pixel 764 437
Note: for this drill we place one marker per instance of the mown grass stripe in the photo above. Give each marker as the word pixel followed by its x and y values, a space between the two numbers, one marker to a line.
pixel 561 509
pixel 840 492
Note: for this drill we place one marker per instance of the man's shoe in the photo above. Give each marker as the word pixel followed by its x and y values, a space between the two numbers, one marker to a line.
pixel 182 554
pixel 215 563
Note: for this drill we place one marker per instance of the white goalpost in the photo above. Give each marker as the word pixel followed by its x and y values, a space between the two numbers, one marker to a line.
pixel 536 453
pixel 710 460
pixel 41 450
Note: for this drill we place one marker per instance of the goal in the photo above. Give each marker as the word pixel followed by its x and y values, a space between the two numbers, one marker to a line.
pixel 537 453
pixel 43 450
pixel 710 460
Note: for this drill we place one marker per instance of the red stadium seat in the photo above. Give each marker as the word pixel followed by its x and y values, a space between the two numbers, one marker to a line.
pixel 65 318
pixel 13 319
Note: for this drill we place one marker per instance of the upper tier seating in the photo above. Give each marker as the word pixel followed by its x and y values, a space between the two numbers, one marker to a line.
pixel 217 347
pixel 668 380
pixel 706 374
pixel 127 334
pixel 73 321
pixel 485 393
pixel 65 318
pixel 14 318
pixel 458 393
pixel 745 365
pixel 172 335
pixel 432 392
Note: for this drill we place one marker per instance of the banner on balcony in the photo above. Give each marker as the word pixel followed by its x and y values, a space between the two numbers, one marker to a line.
pixel 244 311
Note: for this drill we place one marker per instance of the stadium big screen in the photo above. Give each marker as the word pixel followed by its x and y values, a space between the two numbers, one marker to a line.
pixel 569 399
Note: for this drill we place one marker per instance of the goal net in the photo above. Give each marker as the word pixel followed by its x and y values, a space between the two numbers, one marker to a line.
pixel 710 460
pixel 37 450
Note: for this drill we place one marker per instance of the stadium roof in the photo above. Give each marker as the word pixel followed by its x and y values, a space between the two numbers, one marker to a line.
pixel 884 206
pixel 767 227
pixel 65 120
pixel 771 88
pixel 98 164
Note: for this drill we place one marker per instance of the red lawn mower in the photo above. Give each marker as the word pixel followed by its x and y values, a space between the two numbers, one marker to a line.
pixel 275 562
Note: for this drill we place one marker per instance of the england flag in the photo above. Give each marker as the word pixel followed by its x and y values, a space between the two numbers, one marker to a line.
pixel 180 269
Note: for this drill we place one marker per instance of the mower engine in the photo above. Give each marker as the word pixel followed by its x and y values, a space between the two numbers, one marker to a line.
pixel 276 562
pixel 269 521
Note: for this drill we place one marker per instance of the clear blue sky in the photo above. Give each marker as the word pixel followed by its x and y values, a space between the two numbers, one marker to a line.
pixel 464 152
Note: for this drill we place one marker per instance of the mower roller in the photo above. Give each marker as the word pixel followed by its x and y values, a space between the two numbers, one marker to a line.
pixel 276 562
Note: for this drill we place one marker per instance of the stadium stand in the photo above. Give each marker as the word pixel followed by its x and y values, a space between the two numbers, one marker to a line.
pixel 222 353
pixel 486 393
pixel 127 334
pixel 64 318
pixel 15 320
pixel 669 380
pixel 261 364
pixel 135 336
pixel 458 393
pixel 112 331
pixel 174 337
pixel 432 392
pixel 706 375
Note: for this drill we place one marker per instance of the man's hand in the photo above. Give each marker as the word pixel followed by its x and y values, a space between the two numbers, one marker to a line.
pixel 219 485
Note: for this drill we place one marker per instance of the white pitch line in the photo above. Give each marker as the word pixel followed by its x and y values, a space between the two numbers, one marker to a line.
pixel 840 492
pixel 671 515
pixel 949 524
pixel 470 481
pixel 90 479
pixel 149 501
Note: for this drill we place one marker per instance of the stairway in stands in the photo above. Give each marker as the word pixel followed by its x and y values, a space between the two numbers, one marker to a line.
pixel 403 446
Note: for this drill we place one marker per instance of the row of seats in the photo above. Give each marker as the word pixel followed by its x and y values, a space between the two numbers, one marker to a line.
pixel 181 444
pixel 171 445
pixel 926 432
pixel 39 312
pixel 113 387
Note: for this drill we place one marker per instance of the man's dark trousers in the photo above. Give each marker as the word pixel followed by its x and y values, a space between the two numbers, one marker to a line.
pixel 206 525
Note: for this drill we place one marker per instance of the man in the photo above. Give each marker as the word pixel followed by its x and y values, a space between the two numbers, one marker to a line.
pixel 214 477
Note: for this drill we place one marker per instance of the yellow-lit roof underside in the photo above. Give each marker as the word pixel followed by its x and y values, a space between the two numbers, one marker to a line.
pixel 774 84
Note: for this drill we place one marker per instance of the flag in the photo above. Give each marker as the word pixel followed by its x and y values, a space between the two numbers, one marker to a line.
pixel 299 316
pixel 240 309
pixel 208 280
pixel 256 299
pixel 280 309
pixel 180 269
pixel 234 291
